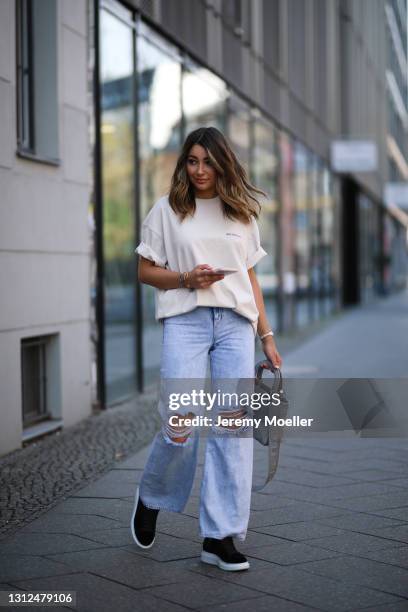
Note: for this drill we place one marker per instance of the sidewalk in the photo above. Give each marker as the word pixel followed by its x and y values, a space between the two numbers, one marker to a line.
pixel 329 533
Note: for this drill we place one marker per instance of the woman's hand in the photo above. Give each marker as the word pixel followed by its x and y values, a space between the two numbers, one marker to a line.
pixel 199 278
pixel 271 352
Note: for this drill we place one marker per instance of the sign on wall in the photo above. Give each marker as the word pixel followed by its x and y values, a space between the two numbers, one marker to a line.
pixel 354 156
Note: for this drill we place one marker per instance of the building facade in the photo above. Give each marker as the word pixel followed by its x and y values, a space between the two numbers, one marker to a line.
pixel 283 79
pixel 45 182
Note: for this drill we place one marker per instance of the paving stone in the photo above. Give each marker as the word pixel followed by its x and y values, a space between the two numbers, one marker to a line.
pixel 118 537
pixel 70 524
pixel 14 567
pixel 398 482
pixel 136 461
pixel 397 513
pixel 295 492
pixel 289 553
pixel 36 543
pixel 320 494
pixel 358 489
pixel 300 531
pixel 120 475
pixel 116 509
pixel 211 571
pixel 399 533
pixel 267 502
pixel 365 572
pixel 254 539
pixel 199 589
pixel 180 525
pixel 360 522
pixel 392 607
pixel 371 470
pixel 115 489
pixel 292 514
pixel 372 502
pixel 192 507
pixel 397 555
pixel 352 543
pixel 265 603
pixel 96 593
pixel 319 592
pixel 322 467
pixel 372 474
pixel 118 564
pixel 167 548
pixel 313 479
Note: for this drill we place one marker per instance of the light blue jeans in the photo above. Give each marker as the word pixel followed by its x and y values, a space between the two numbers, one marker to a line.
pixel 225 495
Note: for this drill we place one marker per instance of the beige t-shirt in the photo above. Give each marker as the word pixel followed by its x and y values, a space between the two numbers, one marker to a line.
pixel 205 238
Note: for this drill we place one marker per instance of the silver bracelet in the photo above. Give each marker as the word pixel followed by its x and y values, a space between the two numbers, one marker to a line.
pixel 269 333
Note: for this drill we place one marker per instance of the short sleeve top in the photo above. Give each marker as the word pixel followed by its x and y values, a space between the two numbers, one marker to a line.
pixel 205 238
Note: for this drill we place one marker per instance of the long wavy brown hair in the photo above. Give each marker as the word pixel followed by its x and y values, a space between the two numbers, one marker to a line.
pixel 237 194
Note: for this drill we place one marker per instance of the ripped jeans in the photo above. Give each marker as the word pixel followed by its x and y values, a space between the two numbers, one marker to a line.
pixel 225 495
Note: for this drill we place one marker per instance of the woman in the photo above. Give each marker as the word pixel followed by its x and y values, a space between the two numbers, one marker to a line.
pixel 191 240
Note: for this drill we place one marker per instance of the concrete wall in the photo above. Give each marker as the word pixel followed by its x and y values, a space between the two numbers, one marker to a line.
pixel 44 241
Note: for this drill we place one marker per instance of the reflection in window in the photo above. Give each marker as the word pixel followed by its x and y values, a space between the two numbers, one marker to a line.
pixel 238 130
pixel 118 206
pixel 369 247
pixel 204 99
pixel 302 230
pixel 327 245
pixel 316 260
pixel 265 176
pixel 287 270
pixel 159 127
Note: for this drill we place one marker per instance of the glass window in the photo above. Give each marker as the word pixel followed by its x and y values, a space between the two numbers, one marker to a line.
pixel 327 244
pixel 265 175
pixel 37 104
pixel 369 239
pixel 159 129
pixel 302 231
pixel 322 260
pixel 238 129
pixel 314 235
pixel 118 150
pixel 287 271
pixel 204 98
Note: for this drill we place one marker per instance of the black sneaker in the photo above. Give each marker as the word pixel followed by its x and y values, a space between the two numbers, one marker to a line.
pixel 224 554
pixel 143 523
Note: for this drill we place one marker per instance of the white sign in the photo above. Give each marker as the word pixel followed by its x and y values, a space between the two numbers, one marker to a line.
pixel 397 194
pixel 354 156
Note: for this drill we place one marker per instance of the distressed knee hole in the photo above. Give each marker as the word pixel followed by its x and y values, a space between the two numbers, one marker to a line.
pixel 233 416
pixel 177 432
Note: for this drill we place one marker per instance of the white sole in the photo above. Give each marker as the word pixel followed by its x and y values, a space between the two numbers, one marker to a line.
pixel 213 559
pixel 132 521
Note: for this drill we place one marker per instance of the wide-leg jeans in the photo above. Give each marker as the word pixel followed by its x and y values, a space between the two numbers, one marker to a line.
pixel 226 338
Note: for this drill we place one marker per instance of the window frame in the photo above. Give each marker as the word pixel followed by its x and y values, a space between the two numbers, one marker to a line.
pixel 26 137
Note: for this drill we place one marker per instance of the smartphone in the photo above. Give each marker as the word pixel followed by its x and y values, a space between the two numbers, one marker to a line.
pixel 224 271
